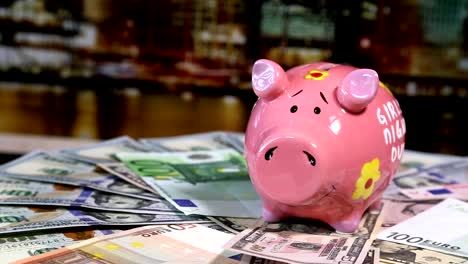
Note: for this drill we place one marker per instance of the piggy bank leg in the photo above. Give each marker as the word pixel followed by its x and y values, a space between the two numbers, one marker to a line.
pixel 272 214
pixel 349 224
pixel 375 206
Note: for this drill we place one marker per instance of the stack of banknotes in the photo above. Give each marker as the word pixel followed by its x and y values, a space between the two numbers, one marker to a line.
pixel 189 199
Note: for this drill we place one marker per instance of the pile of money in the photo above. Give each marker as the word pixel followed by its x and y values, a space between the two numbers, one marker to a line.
pixel 189 199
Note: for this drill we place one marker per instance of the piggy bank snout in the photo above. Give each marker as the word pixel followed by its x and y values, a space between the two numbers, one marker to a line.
pixel 288 170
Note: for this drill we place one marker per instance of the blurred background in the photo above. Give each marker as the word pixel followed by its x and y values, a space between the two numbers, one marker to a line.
pixel 99 69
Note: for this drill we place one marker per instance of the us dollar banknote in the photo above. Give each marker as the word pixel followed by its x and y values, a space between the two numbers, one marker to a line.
pixel 121 171
pixel 307 241
pixel 39 193
pixel 214 183
pixel 14 219
pixel 234 224
pixel 236 140
pixel 151 244
pixel 195 142
pixel 56 168
pixel 104 152
pixel 399 211
pixel 18 246
pixel 371 258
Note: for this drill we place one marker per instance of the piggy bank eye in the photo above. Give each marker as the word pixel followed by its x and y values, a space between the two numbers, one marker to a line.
pixel 293 109
pixel 317 110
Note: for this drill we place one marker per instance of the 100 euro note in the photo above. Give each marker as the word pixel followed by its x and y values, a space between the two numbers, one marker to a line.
pixel 199 182
pixel 150 244
pixel 441 228
pixel 391 252
pixel 307 241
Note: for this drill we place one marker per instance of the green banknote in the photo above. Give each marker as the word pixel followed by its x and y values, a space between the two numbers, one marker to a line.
pixel 194 142
pixel 214 182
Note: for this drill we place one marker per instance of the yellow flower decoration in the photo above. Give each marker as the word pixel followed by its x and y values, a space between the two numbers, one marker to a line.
pixel 316 75
pixel 385 87
pixel 370 174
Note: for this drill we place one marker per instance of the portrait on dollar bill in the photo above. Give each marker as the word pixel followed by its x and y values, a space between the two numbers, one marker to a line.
pixel 122 186
pixel 121 202
pixel 396 252
pixel 121 217
pixel 411 182
pixel 403 210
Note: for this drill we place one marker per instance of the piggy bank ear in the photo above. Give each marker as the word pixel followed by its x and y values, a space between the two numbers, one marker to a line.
pixel 268 79
pixel 357 89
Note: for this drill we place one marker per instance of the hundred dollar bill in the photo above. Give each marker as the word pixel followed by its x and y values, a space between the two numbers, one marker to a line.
pixel 441 228
pixel 39 193
pixel 236 140
pixel 307 241
pixel 104 152
pixel 56 168
pixel 18 246
pixel 212 183
pixel 194 142
pixel 396 253
pixel 248 259
pixel 234 224
pixel 15 219
pixel 121 171
pixel 371 258
pixel 399 211
pixel 150 244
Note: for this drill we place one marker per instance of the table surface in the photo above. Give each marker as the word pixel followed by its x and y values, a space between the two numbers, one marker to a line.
pixel 17 144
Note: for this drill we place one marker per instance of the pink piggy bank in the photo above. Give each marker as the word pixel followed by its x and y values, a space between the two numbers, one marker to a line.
pixel 323 141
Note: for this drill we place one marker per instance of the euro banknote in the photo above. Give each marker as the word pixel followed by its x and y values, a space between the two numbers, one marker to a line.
pixel 396 253
pixel 214 183
pixel 152 244
pixel 441 228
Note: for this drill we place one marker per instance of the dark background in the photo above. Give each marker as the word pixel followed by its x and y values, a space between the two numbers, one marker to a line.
pixel 147 68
